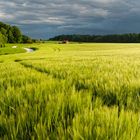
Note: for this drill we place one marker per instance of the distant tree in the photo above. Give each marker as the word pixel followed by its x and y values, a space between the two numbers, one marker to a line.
pixel 11 38
pixel 12 34
pixel 36 40
pixel 2 40
pixel 3 31
pixel 17 34
pixel 5 26
pixel 116 38
pixel 26 39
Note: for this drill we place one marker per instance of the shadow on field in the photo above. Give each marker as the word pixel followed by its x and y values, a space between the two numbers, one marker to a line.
pixel 4 53
pixel 35 68
pixel 19 60
pixel 44 71
pixel 34 48
pixel 3 131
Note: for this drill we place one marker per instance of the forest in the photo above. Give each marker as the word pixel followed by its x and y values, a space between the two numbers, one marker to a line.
pixel 115 38
pixel 12 34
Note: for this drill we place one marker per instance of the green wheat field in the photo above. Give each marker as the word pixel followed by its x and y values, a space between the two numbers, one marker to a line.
pixel 70 92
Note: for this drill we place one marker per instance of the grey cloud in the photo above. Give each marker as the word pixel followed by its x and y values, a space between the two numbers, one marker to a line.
pixel 46 18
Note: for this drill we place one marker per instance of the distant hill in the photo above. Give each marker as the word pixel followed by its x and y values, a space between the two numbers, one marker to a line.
pixel 115 38
pixel 12 34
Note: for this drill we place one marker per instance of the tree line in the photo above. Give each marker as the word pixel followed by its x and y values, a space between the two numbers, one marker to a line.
pixel 115 38
pixel 12 34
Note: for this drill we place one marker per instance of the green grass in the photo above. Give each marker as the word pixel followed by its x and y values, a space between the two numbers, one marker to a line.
pixel 10 50
pixel 71 91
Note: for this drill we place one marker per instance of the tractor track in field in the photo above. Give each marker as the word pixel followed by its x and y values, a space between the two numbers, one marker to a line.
pixel 44 71
pixel 53 75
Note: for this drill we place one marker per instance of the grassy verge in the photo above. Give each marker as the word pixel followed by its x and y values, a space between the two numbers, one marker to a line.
pixel 9 50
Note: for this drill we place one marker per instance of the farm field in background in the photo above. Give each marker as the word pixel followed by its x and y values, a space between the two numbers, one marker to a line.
pixel 71 91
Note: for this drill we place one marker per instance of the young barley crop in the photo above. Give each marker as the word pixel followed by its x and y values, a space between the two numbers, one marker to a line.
pixel 83 91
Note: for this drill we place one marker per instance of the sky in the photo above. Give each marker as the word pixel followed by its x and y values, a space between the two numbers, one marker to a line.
pixel 48 18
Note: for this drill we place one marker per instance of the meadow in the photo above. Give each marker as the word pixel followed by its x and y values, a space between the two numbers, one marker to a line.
pixel 9 50
pixel 71 91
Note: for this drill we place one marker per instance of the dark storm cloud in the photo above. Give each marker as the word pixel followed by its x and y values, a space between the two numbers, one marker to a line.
pixel 45 18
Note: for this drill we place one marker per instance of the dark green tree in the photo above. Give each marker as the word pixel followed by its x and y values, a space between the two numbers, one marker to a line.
pixel 26 39
pixel 11 38
pixel 12 34
pixel 2 40
pixel 17 34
